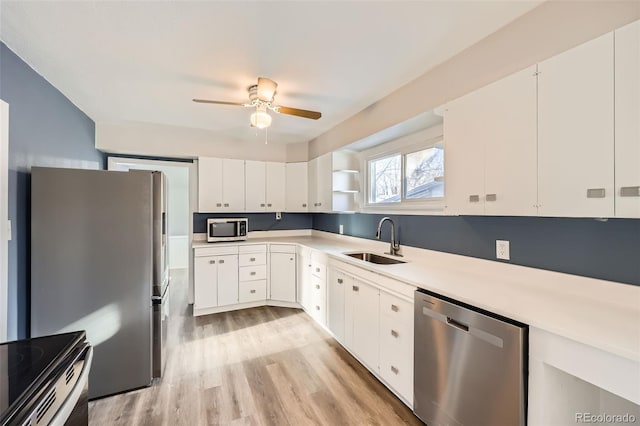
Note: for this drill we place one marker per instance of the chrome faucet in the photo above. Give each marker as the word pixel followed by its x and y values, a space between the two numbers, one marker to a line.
pixel 394 249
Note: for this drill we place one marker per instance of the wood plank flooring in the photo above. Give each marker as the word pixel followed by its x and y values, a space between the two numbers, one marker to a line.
pixel 261 366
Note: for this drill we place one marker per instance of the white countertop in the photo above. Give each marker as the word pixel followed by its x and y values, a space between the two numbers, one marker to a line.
pixel 599 313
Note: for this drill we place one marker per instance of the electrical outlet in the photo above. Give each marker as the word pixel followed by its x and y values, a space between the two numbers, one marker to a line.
pixel 502 249
pixel 341 229
pixel 278 215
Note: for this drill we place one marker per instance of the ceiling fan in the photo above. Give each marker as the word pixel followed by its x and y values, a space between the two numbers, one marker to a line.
pixel 261 97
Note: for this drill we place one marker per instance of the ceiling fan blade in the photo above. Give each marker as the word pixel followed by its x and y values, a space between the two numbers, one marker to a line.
pixel 266 89
pixel 314 115
pixel 206 101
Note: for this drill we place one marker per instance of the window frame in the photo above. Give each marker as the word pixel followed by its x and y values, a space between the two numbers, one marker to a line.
pixel 434 204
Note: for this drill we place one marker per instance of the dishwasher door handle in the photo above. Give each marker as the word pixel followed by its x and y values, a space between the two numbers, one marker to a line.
pixel 457 324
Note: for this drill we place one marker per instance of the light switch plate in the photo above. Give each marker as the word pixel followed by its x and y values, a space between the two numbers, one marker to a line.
pixel 502 249
pixel 341 229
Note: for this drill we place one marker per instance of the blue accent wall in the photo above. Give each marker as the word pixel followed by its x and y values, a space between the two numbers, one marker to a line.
pixel 258 221
pixel 45 129
pixel 608 250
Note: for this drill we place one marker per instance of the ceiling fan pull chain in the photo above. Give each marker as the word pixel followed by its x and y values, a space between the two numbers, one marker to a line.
pixel 266 130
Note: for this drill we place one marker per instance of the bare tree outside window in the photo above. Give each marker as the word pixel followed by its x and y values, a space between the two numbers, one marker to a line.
pixel 385 175
pixel 423 174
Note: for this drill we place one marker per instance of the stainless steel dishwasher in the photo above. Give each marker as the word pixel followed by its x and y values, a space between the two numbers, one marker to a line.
pixel 470 365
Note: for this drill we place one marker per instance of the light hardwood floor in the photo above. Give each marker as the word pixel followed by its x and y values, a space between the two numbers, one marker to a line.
pixel 261 366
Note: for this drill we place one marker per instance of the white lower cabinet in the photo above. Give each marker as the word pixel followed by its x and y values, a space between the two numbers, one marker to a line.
pixel 216 281
pixel 253 291
pixel 362 316
pixel 283 273
pixel 318 293
pixel 304 280
pixel 227 280
pixel 337 283
pixel 252 273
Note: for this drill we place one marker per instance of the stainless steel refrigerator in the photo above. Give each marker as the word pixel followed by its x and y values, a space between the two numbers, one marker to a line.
pixel 98 263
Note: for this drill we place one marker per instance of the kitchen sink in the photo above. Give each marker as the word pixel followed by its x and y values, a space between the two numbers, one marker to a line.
pixel 374 258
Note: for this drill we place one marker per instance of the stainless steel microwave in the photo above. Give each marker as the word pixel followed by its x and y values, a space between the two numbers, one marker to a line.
pixel 231 229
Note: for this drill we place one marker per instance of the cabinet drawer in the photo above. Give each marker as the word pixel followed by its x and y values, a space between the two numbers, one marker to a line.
pixel 394 307
pixel 282 248
pixel 319 311
pixel 252 273
pixel 252 248
pixel 214 251
pixel 399 375
pixel 253 291
pixel 318 289
pixel 251 259
pixel 396 356
pixel 318 270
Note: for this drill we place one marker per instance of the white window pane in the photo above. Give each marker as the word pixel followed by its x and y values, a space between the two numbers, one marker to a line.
pixel 424 174
pixel 385 179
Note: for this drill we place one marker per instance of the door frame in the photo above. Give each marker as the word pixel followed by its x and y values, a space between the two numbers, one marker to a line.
pixel 193 197
pixel 5 233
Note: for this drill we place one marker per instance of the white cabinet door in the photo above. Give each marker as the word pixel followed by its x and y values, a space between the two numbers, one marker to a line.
pixel 490 139
pixel 296 191
pixel 336 301
pixel 275 179
pixel 233 185
pixel 575 131
pixel 255 194
pixel 313 185
pixel 205 282
pixel 283 277
pixel 363 313
pixel 305 296
pixel 209 184
pixel 227 279
pixel 324 182
pixel 627 120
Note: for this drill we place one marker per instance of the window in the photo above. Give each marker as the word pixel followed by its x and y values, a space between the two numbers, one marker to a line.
pixel 407 176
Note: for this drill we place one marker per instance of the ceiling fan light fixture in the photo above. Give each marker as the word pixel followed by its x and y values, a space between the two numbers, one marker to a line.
pixel 266 89
pixel 260 119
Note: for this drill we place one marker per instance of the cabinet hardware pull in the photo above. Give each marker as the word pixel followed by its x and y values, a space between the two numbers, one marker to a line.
pixel 317 308
pixel 304 205
pixel 394 370
pixel 269 205
pixel 221 261
pixel 491 197
pixel 630 191
pixel 226 204
pixel 317 269
pixel 474 198
pixel 261 204
pixel 339 280
pixel 395 308
pixel 291 258
pixel 218 204
pixel 596 193
pixel 318 286
pixel 253 259
pixel 394 333
pixel 319 204
pixel 355 288
pixel 212 262
pixel 253 273
pixel 252 291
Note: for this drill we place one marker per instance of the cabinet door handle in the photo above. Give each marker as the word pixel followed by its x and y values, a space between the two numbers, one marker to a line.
pixel 218 204
pixel 317 269
pixel 474 198
pixel 395 308
pixel 318 286
pixel 304 205
pixel 211 262
pixel 630 191
pixel 394 370
pixel 491 197
pixel 269 205
pixel 253 273
pixel 319 204
pixel 221 261
pixel 596 193
pixel 226 204
pixel 339 280
pixel 317 308
pixel 394 333
pixel 253 259
pixel 355 288
pixel 291 258
pixel 252 291
pixel 262 205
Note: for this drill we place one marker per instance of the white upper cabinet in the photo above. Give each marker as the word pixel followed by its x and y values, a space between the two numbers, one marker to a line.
pixel 220 185
pixel 576 131
pixel 296 192
pixel 490 139
pixel 275 187
pixel 627 121
pixel 320 183
pixel 255 194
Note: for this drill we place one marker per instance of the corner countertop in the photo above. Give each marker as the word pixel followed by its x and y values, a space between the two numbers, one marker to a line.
pixel 599 313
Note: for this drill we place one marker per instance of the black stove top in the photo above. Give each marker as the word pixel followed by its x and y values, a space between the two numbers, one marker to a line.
pixel 26 364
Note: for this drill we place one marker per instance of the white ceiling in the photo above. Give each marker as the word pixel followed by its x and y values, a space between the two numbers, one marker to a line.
pixel 143 61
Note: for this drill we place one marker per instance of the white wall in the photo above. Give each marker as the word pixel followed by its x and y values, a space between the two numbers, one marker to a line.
pixel 182 142
pixel 549 29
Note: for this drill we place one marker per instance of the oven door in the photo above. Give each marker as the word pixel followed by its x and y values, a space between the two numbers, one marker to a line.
pixel 74 411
